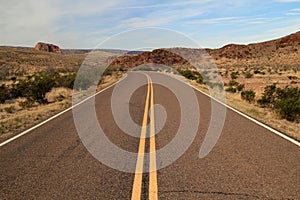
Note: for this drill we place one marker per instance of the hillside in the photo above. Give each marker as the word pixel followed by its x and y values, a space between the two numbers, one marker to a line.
pixel 280 52
pixel 285 45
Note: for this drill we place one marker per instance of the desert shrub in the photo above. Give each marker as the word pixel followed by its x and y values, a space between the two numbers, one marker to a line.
pixel 188 74
pixel 233 83
pixel 200 80
pixel 240 87
pixel 234 75
pixel 192 75
pixel 69 81
pixel 231 90
pixel 33 89
pixel 10 109
pixel 292 77
pixel 268 97
pixel 256 71
pixel 248 95
pixel 122 69
pixel 39 87
pixel 66 81
pixel 4 93
pixel 248 75
pixel 13 78
pixel 20 89
pixel 289 108
pixel 285 101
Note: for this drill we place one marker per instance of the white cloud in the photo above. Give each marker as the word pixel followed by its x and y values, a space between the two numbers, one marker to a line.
pixel 232 20
pixel 166 5
pixel 77 23
pixel 296 10
pixel 88 7
pixel 159 18
pixel 215 20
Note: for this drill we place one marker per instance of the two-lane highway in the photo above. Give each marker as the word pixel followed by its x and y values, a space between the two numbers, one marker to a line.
pixel 248 161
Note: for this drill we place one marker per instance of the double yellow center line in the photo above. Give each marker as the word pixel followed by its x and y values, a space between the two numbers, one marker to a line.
pixel 137 184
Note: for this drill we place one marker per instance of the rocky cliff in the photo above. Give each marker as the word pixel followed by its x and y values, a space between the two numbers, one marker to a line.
pixel 40 46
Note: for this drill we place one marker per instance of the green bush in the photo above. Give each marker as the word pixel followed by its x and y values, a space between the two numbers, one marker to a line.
pixel 231 90
pixel 189 74
pixel 39 87
pixel 4 93
pixel 234 75
pixel 257 71
pixel 200 80
pixel 66 81
pixel 192 75
pixel 284 101
pixel 10 109
pixel 248 75
pixel 289 108
pixel 20 89
pixel 233 83
pixel 268 97
pixel 248 95
pixel 34 89
pixel 240 87
pixel 293 77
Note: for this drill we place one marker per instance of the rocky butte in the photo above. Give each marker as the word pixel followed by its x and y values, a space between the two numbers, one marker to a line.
pixel 40 46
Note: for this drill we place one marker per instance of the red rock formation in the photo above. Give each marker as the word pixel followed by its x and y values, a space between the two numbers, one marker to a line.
pixel 40 46
pixel 158 56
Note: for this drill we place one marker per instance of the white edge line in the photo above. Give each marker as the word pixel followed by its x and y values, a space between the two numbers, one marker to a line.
pixel 57 115
pixel 246 116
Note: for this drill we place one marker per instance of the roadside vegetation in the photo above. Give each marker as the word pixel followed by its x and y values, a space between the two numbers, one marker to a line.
pixel 285 101
pixel 35 85
pixel 276 104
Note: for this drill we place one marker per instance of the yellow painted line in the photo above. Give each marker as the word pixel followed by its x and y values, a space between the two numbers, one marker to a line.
pixel 153 192
pixel 137 184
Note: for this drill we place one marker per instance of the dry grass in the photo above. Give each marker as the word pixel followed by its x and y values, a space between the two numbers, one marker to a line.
pixel 264 115
pixel 14 118
pixel 19 63
pixel 20 119
pixel 58 94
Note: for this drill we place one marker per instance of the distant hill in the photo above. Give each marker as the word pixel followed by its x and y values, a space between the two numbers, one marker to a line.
pixel 285 45
pixel 279 52
pixel 284 51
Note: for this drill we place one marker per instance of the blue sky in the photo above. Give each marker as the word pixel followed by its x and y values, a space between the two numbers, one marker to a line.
pixel 84 24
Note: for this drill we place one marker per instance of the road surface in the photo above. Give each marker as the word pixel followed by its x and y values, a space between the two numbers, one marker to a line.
pixel 247 162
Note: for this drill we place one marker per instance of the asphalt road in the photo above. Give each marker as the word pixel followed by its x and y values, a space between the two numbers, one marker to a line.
pixel 52 162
